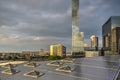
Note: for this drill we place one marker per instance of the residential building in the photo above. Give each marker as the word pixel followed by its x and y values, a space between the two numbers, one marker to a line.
pixel 115 39
pixel 94 41
pixel 58 50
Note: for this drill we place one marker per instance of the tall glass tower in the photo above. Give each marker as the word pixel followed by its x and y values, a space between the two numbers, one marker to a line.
pixel 111 34
pixel 77 37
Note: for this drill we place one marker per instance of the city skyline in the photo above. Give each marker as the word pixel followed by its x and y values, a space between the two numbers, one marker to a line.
pixel 31 25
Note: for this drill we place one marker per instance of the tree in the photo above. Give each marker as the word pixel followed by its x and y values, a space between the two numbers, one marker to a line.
pixel 54 57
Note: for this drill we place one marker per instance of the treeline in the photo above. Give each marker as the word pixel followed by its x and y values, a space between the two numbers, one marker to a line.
pixel 29 58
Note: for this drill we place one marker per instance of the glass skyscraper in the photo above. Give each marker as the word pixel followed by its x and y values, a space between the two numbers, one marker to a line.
pixel 77 37
pixel 111 34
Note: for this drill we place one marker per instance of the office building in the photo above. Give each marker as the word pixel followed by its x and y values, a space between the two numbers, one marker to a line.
pixel 58 50
pixel 111 33
pixel 77 37
pixel 94 41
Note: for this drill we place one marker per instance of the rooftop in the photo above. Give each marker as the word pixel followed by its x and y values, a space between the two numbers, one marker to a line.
pixel 97 68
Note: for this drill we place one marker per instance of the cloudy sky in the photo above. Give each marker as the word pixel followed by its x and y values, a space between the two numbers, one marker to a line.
pixel 35 24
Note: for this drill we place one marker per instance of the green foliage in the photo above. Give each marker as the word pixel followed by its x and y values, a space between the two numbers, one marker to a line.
pixel 9 58
pixel 54 57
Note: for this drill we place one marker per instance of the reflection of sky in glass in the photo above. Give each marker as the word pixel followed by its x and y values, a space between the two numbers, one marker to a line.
pixel 77 37
pixel 115 21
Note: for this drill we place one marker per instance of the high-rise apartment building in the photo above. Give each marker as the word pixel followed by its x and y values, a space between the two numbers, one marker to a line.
pixel 77 37
pixel 94 41
pixel 115 39
pixel 58 50
pixel 111 34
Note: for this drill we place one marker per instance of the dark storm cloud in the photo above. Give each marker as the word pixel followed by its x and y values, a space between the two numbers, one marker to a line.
pixel 35 13
pixel 29 20
pixel 57 27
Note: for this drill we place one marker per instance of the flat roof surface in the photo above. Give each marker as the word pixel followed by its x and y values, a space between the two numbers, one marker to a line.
pixel 96 68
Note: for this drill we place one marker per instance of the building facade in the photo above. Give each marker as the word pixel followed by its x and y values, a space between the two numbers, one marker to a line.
pixel 94 41
pixel 111 33
pixel 42 52
pixel 92 53
pixel 31 53
pixel 115 39
pixel 77 37
pixel 58 50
